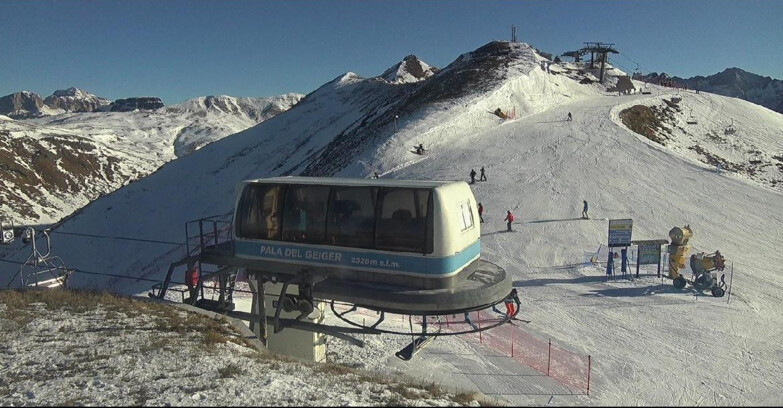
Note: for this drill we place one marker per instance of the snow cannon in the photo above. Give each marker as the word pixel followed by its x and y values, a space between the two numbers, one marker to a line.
pixel 678 249
pixel 703 266
pixel 680 236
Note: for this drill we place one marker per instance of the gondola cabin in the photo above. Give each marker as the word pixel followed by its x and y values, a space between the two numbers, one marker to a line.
pixel 417 234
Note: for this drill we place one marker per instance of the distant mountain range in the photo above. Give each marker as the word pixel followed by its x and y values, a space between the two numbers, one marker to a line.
pixel 78 146
pixel 26 104
pixel 734 82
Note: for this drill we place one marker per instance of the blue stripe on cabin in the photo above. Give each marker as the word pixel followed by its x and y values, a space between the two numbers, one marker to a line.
pixel 357 259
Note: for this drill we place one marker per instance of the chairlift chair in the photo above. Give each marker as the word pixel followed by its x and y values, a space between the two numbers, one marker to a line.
pixel 691 119
pixel 6 231
pixel 40 269
pixel 730 130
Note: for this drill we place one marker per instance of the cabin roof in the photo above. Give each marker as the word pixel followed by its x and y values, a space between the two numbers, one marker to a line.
pixel 340 181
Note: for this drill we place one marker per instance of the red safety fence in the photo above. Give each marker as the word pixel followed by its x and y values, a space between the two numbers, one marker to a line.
pixel 570 369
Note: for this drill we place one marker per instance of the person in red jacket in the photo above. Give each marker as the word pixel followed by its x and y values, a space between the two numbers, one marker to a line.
pixel 481 212
pixel 510 219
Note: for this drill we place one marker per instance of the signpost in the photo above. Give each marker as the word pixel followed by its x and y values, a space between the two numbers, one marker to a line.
pixel 620 232
pixel 649 253
pixel 619 236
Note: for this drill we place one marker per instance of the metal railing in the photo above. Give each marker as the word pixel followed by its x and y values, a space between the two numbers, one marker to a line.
pixel 212 234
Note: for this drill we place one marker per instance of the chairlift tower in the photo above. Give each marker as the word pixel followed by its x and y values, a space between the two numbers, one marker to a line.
pixel 600 49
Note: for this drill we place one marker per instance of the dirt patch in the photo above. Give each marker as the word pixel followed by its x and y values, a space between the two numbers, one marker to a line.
pixel 646 121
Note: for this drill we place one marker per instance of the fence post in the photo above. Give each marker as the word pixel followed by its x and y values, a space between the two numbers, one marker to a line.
pixel 478 320
pixel 589 367
pixel 511 329
pixel 549 359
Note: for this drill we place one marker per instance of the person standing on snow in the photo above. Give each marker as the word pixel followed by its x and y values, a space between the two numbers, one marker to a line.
pixel 510 219
pixel 584 211
pixel 472 176
pixel 481 211
pixel 483 176
pixel 569 117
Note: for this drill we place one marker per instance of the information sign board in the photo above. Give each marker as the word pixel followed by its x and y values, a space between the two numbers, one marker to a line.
pixel 649 254
pixel 620 232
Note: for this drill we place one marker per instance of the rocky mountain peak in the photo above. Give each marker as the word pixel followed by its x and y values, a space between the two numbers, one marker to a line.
pixel 409 70
pixel 75 100
pixel 20 105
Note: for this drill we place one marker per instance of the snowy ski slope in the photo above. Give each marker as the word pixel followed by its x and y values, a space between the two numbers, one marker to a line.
pixel 650 344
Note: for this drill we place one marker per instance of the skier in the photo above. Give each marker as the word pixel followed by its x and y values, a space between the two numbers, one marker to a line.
pixel 510 219
pixel 375 175
pixel 481 211
pixel 483 176
pixel 584 211
pixel 191 279
pixel 472 176
pixel 569 117
pixel 511 307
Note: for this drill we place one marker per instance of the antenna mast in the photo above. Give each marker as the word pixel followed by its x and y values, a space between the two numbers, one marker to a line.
pixel 513 33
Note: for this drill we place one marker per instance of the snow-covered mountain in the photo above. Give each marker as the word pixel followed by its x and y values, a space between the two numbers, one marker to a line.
pixel 764 91
pixel 26 104
pixel 640 333
pixel 75 100
pixel 410 69
pixel 53 165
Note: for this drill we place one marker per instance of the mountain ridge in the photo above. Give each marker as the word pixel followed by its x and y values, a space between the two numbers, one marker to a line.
pixel 734 82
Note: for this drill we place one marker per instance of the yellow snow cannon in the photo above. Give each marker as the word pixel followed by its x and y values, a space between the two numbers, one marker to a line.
pixel 678 249
pixel 703 266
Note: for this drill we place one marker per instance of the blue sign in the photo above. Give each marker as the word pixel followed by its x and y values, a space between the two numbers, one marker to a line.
pixel 620 232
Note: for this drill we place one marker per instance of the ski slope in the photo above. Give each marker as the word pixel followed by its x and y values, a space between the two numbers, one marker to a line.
pixel 650 344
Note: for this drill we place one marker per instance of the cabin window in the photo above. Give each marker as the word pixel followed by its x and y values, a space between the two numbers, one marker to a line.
pixel 259 212
pixel 352 217
pixel 402 220
pixel 465 216
pixel 304 213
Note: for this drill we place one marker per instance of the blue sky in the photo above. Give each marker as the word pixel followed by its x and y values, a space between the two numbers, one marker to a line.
pixel 182 49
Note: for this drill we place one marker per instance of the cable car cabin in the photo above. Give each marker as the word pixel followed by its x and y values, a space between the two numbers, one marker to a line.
pixel 411 233
pixel 393 245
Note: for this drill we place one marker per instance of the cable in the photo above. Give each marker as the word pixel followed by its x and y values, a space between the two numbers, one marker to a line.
pixel 119 238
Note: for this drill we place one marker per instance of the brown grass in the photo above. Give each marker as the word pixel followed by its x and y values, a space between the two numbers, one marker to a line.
pixel 645 121
pixel 230 371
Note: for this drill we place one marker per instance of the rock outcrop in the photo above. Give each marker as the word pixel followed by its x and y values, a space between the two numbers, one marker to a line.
pixel 141 103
